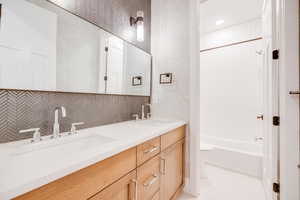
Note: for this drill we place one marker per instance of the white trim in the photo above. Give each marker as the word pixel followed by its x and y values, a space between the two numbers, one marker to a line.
pixel 193 186
pixel 289 105
pixel 187 187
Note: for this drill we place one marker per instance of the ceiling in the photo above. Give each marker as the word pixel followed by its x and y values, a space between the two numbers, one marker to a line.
pixel 231 11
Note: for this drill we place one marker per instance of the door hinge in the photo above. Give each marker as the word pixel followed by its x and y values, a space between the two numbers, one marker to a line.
pixel 105 78
pixel 276 187
pixel 0 13
pixel 276 54
pixel 106 49
pixel 276 120
pixel 0 10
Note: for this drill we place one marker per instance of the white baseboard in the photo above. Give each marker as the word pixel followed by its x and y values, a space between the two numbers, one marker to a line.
pixel 187 188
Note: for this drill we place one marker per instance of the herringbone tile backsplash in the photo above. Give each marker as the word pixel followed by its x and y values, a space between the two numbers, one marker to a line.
pixel 30 109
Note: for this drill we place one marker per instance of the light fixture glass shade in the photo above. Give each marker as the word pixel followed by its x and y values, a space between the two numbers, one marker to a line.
pixel 140 31
pixel 219 22
pixel 140 26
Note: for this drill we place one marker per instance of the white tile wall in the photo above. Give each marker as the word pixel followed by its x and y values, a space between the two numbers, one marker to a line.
pixel 170 49
pixel 240 32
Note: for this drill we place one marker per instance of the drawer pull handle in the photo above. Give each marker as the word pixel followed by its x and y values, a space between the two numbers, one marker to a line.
pixel 163 171
pixel 154 148
pixel 152 181
pixel 135 189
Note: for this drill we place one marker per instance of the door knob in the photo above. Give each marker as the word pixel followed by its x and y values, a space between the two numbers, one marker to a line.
pixel 261 117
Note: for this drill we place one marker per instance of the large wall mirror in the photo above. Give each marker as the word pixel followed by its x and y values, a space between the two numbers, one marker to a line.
pixel 44 47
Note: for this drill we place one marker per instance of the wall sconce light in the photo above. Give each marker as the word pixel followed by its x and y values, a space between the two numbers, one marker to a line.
pixel 139 22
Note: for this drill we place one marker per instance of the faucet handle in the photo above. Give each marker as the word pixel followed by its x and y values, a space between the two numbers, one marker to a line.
pixel 143 112
pixel 73 126
pixel 150 108
pixel 136 116
pixel 148 115
pixel 36 134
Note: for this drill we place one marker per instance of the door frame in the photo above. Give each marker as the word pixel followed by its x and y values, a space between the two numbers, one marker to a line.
pixel 288 16
pixel 270 98
pixel 192 185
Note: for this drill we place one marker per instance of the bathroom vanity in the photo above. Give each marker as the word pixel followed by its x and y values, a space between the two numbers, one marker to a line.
pixel 48 47
pixel 136 160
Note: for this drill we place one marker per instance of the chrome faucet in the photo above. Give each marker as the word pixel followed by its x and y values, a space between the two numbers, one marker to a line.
pixel 150 109
pixel 56 130
pixel 74 128
pixel 143 112
pixel 36 134
pixel 136 117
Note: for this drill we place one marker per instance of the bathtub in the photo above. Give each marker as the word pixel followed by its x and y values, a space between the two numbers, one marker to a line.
pixel 234 155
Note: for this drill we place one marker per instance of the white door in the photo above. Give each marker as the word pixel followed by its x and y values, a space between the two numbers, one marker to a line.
pixel 27 46
pixel 115 66
pixel 271 100
pixel 288 16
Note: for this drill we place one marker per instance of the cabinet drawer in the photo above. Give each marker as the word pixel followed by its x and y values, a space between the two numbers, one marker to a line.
pixel 148 150
pixel 87 182
pixel 124 189
pixel 172 137
pixel 148 177
pixel 156 196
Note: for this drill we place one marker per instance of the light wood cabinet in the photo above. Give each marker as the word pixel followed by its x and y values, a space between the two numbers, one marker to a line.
pixel 153 170
pixel 148 150
pixel 172 137
pixel 87 182
pixel 156 196
pixel 124 189
pixel 148 176
pixel 172 170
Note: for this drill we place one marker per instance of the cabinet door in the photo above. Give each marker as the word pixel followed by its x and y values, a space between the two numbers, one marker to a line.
pixel 172 170
pixel 124 189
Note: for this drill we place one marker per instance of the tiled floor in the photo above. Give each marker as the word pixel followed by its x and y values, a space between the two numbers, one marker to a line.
pixel 227 185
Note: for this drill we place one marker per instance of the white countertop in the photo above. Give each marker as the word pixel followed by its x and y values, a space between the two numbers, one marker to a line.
pixel 26 166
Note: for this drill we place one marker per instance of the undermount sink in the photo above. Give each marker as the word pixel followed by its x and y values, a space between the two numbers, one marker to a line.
pixel 65 144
